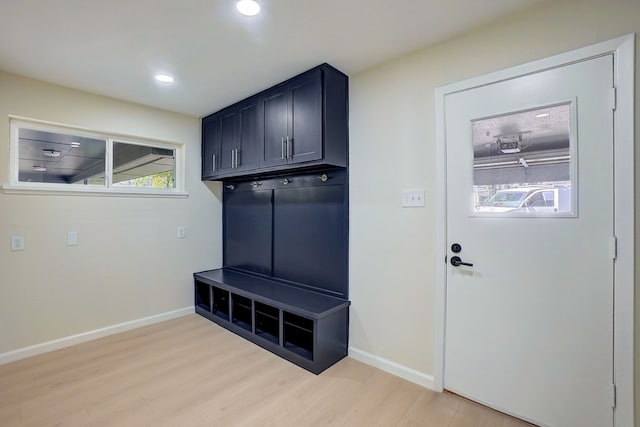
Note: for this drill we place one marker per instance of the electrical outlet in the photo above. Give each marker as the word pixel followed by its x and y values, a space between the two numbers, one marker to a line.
pixel 413 198
pixel 17 243
pixel 181 232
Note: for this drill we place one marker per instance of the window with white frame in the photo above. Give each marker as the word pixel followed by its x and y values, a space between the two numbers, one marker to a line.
pixel 59 158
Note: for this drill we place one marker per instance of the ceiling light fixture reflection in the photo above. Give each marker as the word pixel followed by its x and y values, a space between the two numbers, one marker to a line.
pixel 51 153
pixel 75 144
pixel 39 169
pixel 164 78
pixel 248 7
pixel 542 115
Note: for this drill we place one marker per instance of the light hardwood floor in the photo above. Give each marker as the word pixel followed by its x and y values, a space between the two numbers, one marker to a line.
pixel 190 372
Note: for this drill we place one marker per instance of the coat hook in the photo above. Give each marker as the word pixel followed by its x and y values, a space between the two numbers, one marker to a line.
pixel 323 177
pixel 256 184
pixel 231 187
pixel 286 181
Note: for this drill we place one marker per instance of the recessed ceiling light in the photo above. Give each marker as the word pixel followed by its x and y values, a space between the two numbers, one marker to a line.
pixel 248 7
pixel 164 78
pixel 542 115
pixel 39 168
pixel 51 153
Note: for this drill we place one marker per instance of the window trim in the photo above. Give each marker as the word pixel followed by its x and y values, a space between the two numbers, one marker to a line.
pixel 16 187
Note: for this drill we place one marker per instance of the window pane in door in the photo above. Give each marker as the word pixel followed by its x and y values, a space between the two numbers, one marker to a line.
pixel 522 163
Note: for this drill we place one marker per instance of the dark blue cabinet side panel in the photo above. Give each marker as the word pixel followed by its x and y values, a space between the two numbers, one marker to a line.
pixel 308 237
pixel 336 117
pixel 247 230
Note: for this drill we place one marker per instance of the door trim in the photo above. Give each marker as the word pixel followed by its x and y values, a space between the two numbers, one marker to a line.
pixel 623 50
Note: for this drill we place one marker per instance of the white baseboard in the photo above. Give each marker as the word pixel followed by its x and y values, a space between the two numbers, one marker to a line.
pixel 22 353
pixel 394 368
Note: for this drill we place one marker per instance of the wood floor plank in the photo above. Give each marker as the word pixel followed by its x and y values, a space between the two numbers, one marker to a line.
pixel 189 372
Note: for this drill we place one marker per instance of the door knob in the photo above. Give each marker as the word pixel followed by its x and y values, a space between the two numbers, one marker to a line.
pixel 456 261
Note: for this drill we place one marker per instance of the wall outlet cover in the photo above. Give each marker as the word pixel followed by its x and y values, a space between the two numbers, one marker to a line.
pixel 412 198
pixel 17 243
pixel 72 238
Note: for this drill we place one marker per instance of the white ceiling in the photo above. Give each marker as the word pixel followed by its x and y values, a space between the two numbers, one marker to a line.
pixel 113 47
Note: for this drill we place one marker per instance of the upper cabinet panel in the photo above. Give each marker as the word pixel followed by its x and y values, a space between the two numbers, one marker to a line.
pixel 230 140
pixel 304 132
pixel 299 124
pixel 275 111
pixel 210 146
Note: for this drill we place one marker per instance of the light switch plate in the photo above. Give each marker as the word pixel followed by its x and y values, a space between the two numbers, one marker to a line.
pixel 17 243
pixel 413 198
pixel 181 232
pixel 72 238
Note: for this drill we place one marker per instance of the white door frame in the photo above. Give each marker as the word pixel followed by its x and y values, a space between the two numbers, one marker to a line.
pixel 623 49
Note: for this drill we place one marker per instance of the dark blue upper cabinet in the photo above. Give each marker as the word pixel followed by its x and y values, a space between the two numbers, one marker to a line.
pixel 210 146
pixel 299 124
pixel 304 130
pixel 275 110
pixel 230 140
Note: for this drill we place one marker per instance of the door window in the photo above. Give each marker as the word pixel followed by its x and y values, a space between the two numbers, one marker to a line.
pixel 523 163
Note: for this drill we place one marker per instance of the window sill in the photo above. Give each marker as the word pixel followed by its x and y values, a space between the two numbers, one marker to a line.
pixel 91 191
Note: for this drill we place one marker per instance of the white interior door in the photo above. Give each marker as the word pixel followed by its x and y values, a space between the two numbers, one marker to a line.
pixel 529 170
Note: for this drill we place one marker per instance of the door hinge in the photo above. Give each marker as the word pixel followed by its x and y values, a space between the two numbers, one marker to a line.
pixel 614 247
pixel 612 395
pixel 613 98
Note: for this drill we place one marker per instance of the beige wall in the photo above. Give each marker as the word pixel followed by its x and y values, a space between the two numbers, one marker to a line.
pixel 392 139
pixel 129 263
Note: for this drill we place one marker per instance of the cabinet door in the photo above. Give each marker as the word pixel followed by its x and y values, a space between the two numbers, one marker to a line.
pixel 210 146
pixel 247 230
pixel 248 135
pixel 274 123
pixel 228 139
pixel 309 236
pixel 305 118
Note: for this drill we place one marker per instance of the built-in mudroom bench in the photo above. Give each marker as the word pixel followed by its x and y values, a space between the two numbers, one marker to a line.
pixel 304 327
pixel 282 157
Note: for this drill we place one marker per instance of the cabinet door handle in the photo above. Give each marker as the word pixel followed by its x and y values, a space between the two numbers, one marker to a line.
pixel 233 159
pixel 282 141
pixel 289 148
pixel 237 157
pixel 213 162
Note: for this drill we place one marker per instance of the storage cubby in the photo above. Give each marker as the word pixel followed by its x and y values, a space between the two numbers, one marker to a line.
pixel 242 312
pixel 220 303
pixel 203 296
pixel 298 335
pixel 267 322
